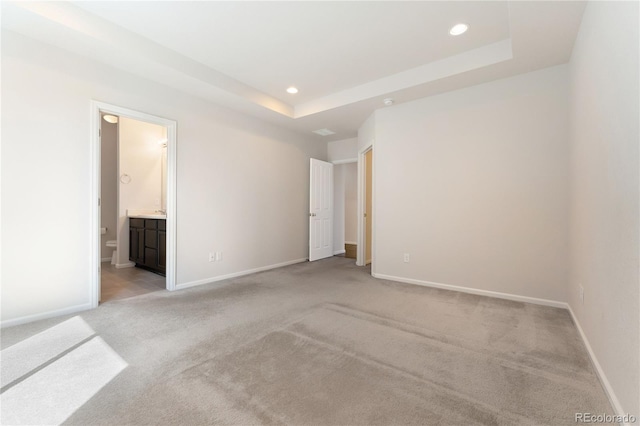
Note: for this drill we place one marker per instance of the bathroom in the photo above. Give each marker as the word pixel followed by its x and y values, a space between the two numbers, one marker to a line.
pixel 133 193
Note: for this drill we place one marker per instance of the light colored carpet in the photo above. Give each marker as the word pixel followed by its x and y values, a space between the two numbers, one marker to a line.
pixel 324 343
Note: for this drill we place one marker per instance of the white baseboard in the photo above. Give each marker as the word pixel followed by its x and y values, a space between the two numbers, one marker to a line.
pixel 237 274
pixel 45 315
pixel 613 399
pixel 339 252
pixel 125 265
pixel 106 259
pixel 508 296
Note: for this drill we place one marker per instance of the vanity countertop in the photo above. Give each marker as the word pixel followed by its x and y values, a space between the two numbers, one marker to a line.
pixel 145 214
pixel 148 216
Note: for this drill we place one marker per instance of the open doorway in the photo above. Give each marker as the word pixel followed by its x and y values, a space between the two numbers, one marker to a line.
pixel 132 207
pixel 345 194
pixel 135 185
pixel 365 249
pixel 368 203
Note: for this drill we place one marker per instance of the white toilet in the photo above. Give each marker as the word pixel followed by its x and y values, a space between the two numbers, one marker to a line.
pixel 113 244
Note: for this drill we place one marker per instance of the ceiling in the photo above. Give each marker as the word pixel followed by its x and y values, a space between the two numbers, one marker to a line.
pixel 344 57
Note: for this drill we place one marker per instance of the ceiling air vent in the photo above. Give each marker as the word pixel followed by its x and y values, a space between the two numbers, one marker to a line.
pixel 324 132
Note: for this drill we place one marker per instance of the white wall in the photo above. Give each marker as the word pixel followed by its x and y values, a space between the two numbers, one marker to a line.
pixel 108 186
pixel 140 158
pixel 604 209
pixel 350 176
pixel 473 185
pixel 242 184
pixel 338 208
pixel 346 149
pixel 367 133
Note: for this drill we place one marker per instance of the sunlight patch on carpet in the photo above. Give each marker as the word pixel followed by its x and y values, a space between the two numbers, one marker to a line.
pixel 45 392
pixel 37 350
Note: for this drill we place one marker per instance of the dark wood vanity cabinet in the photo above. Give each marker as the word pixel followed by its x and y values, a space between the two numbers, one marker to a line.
pixel 136 240
pixel 148 244
pixel 162 245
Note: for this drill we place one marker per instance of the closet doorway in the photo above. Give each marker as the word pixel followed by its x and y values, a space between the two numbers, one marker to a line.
pixel 366 207
pixel 345 192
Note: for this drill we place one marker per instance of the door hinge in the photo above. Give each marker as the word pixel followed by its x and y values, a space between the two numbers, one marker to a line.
pixel 99 201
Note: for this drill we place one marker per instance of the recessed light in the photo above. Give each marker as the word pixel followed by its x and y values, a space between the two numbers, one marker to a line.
pixel 110 119
pixel 458 29
pixel 292 90
pixel 388 101
pixel 324 132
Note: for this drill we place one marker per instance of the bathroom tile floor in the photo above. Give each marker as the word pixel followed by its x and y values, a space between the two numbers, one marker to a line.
pixel 128 282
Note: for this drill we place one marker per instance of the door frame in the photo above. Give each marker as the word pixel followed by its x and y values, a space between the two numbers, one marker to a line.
pixel 95 150
pixel 362 178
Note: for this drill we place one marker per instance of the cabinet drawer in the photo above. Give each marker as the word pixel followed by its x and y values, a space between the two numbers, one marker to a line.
pixel 151 223
pixel 136 223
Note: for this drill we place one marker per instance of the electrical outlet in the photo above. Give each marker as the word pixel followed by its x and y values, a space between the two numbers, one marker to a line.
pixel 212 257
pixel 406 258
pixel 582 295
pixel 218 256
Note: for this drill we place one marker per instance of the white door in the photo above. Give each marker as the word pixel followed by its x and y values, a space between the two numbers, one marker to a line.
pixel 321 210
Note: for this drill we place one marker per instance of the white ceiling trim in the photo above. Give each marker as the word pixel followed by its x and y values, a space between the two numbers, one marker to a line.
pixel 182 71
pixel 457 64
pixel 540 34
pixel 73 19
